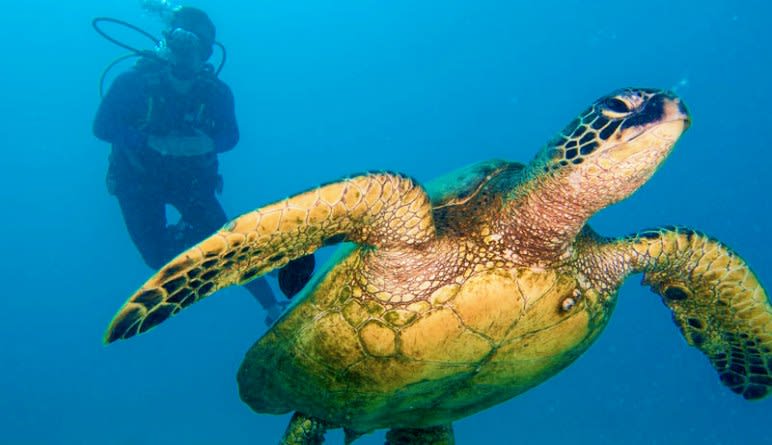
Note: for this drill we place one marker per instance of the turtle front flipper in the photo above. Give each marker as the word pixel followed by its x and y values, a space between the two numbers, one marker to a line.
pixel 381 210
pixel 716 300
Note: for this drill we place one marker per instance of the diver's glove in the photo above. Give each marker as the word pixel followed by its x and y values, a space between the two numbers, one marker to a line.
pixel 175 144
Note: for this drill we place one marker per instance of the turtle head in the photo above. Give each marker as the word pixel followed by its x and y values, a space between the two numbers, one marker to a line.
pixel 614 147
pixel 600 158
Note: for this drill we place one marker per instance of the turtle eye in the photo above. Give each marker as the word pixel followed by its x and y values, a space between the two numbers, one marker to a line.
pixel 614 107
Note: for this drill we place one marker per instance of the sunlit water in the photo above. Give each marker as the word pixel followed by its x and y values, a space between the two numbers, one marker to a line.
pixel 328 88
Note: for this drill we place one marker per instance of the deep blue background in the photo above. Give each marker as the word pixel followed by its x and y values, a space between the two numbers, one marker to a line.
pixel 327 88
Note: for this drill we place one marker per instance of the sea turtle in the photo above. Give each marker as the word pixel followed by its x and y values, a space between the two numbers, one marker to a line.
pixel 449 299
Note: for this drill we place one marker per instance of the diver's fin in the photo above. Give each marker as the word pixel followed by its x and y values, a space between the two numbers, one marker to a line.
pixel 380 209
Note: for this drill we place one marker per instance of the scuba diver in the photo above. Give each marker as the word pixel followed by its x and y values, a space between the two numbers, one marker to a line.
pixel 167 118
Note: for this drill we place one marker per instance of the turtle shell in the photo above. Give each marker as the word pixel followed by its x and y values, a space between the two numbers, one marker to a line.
pixel 363 352
pixel 461 186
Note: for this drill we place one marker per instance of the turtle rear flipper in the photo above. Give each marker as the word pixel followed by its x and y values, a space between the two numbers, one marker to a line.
pixel 438 435
pixel 304 430
pixel 716 300
pixel 381 210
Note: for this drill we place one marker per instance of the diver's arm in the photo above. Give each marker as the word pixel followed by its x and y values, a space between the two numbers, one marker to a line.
pixel 225 131
pixel 121 106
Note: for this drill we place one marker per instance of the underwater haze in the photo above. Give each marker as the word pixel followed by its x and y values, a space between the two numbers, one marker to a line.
pixel 328 88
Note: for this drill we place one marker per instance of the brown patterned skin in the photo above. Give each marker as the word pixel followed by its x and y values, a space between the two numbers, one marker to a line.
pixel 451 299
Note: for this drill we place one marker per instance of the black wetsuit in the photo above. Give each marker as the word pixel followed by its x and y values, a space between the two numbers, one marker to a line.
pixel 143 102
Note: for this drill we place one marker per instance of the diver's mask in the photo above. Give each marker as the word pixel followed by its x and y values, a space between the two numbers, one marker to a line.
pixel 184 50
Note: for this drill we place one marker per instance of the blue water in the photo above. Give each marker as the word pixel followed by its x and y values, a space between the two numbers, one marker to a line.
pixel 327 88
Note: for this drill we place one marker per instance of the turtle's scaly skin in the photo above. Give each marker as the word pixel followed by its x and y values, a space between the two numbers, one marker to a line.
pixel 453 299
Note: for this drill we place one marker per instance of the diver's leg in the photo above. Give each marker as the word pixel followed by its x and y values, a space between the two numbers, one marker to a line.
pixel 145 217
pixel 292 277
pixel 192 193
pixel 263 293
pixel 304 430
pixel 438 435
pixel 202 214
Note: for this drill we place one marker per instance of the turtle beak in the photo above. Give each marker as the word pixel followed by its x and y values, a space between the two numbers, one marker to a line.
pixel 647 137
pixel 674 109
pixel 673 117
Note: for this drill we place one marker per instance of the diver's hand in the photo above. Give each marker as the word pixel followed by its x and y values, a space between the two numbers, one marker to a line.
pixel 175 144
